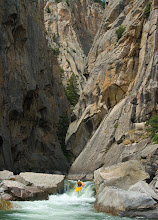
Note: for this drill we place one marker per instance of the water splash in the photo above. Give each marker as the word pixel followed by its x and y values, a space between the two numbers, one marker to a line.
pixel 70 205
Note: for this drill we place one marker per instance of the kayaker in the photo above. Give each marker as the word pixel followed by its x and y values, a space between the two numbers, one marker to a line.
pixel 79 183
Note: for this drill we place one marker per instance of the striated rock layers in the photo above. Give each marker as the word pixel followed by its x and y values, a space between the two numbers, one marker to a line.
pixel 32 98
pixel 71 28
pixel 121 92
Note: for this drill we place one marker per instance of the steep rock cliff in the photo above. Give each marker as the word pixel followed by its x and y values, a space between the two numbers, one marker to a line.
pixel 32 98
pixel 71 28
pixel 121 91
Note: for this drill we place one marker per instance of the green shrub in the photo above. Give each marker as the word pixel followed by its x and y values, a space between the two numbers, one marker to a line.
pixel 67 2
pixel 68 61
pixel 119 32
pixel 48 10
pixel 102 3
pixel 116 125
pixel 54 38
pixel 152 128
pixel 147 10
pixel 62 128
pixel 61 69
pixel 55 51
pixel 71 90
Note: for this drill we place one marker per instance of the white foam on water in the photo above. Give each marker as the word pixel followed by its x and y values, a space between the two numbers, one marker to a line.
pixel 70 205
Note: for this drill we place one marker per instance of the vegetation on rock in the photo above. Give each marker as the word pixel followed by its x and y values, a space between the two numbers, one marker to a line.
pixel 5 205
pixel 62 128
pixel 116 125
pixel 147 10
pixel 102 3
pixel 55 51
pixel 54 38
pixel 152 128
pixel 71 90
pixel 120 31
pixel 48 10
pixel 67 2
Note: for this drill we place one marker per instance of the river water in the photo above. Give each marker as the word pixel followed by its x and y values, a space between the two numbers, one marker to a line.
pixel 67 206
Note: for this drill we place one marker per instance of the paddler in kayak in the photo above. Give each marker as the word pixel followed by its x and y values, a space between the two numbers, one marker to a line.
pixel 79 185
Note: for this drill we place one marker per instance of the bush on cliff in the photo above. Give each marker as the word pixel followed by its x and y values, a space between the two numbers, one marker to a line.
pixel 55 51
pixel 147 10
pixel 101 2
pixel 71 90
pixel 119 32
pixel 152 128
pixel 48 10
pixel 67 2
pixel 62 128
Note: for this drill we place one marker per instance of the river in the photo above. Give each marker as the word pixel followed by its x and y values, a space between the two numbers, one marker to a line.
pixel 67 206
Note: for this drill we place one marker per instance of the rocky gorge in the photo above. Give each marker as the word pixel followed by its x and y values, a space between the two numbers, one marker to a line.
pixel 113 53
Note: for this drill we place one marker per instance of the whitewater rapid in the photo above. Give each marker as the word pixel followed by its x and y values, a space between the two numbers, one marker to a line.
pixel 67 206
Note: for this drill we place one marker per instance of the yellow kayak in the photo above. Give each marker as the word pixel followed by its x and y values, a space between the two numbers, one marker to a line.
pixel 78 188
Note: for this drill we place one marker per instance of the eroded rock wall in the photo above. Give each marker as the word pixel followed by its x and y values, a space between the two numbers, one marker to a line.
pixel 121 90
pixel 71 27
pixel 32 98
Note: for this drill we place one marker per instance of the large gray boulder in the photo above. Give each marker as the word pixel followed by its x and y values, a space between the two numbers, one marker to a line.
pixel 143 187
pixel 13 190
pixel 121 175
pixel 50 183
pixel 6 175
pixel 115 201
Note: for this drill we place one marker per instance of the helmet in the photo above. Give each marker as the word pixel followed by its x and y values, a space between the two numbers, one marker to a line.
pixel 78 181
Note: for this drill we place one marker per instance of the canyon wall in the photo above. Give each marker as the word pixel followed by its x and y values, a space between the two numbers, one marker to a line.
pixel 121 92
pixel 32 98
pixel 71 27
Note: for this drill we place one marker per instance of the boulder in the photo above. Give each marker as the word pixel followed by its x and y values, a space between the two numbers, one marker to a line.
pixel 6 175
pixel 50 183
pixel 147 214
pixel 115 201
pixel 13 190
pixel 143 187
pixel 154 183
pixel 121 175
pixel 80 176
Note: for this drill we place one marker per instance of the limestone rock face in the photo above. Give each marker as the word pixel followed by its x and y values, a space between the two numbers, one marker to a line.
pixel 120 93
pixel 71 28
pixel 32 98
